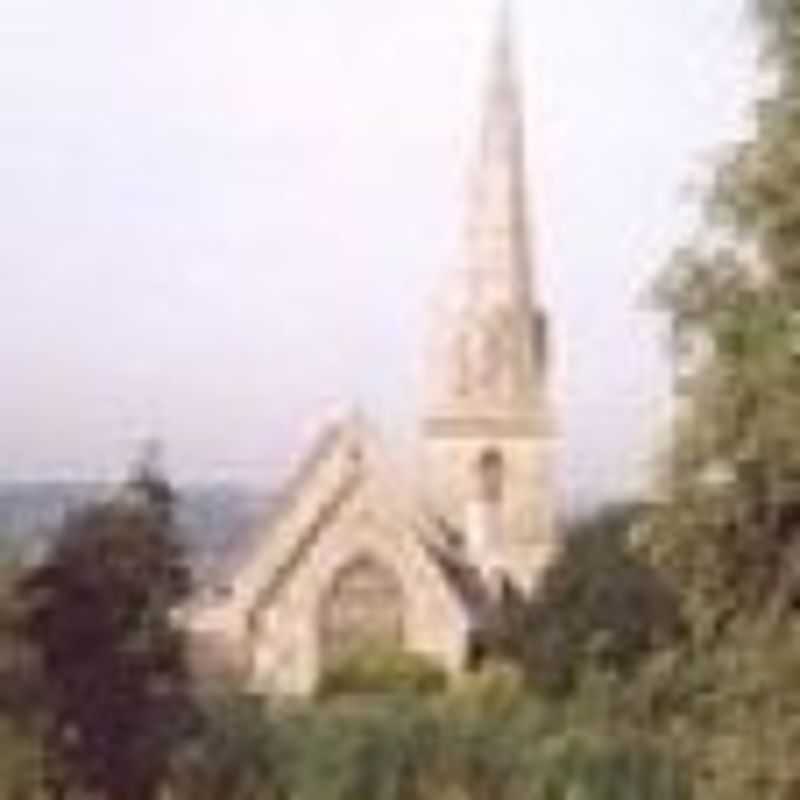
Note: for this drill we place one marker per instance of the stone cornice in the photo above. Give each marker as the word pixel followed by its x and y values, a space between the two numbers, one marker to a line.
pixel 481 426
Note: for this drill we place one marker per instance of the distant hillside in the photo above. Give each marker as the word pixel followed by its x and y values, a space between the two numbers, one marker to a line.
pixel 215 519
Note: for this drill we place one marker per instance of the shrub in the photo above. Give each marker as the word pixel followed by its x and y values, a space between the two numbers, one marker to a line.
pixel 234 752
pixel 381 670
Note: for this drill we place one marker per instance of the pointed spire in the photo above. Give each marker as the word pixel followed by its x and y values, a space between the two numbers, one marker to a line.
pixel 491 359
pixel 497 217
pixel 503 57
pixel 503 101
pixel 489 376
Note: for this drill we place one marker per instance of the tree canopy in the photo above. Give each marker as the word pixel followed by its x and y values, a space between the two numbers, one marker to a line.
pixel 108 671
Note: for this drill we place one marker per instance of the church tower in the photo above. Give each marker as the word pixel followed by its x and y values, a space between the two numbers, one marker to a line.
pixel 487 428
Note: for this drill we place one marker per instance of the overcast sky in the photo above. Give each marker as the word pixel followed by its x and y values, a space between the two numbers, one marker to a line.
pixel 223 218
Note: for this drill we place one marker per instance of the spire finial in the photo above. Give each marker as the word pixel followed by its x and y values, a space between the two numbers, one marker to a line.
pixel 506 20
pixel 506 25
pixel 502 79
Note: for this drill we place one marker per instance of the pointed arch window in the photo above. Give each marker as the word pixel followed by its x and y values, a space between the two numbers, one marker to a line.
pixel 362 606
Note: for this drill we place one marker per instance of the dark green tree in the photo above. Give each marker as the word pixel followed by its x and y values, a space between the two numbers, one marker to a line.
pixel 10 645
pixel 727 539
pixel 97 613
pixel 21 757
pixel 599 607
pixel 730 533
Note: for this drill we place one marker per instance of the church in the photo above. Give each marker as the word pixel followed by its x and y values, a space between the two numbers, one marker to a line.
pixel 355 552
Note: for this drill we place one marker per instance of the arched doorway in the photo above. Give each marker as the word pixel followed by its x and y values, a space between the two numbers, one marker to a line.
pixel 363 605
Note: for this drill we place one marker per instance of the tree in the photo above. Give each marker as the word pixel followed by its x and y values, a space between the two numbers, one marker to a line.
pixel 598 607
pixel 97 613
pixel 730 534
pixel 728 537
pixel 10 645
pixel 21 762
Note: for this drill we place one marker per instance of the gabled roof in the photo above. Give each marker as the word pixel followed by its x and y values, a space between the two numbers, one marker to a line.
pixel 344 457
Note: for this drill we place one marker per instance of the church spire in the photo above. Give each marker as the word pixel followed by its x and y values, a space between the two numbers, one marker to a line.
pixel 497 221
pixel 503 53
pixel 487 428
pixel 490 345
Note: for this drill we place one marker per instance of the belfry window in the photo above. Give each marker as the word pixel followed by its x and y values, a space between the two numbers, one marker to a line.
pixel 491 476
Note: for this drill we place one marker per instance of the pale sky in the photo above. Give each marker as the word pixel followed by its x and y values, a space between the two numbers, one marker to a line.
pixel 224 218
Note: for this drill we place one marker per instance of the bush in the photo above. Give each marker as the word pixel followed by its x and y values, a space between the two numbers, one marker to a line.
pixel 384 747
pixel 380 670
pixel 21 764
pixel 232 753
pixel 580 764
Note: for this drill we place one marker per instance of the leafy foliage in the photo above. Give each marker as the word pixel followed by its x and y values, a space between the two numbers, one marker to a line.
pixel 600 607
pixel 22 773
pixel 381 670
pixel 10 644
pixel 109 663
pixel 730 536
pixel 728 540
pixel 488 739
pixel 234 750
pixel 21 757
